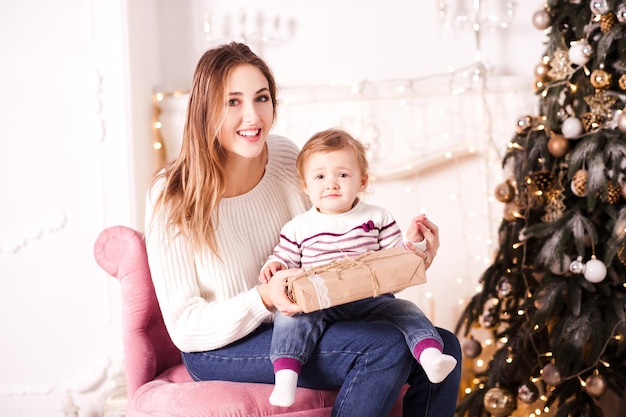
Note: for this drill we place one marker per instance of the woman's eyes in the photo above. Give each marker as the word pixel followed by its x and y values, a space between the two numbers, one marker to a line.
pixel 260 99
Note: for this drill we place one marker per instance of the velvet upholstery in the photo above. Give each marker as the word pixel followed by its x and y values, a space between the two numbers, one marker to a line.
pixel 157 382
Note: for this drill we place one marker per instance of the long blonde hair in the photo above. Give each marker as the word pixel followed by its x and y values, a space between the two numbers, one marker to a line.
pixel 194 182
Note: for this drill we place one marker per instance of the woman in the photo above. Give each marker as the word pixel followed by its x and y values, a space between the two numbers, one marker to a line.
pixel 212 218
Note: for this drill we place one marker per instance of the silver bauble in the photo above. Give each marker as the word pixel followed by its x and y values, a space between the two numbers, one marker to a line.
pixel 577 266
pixel 599 6
pixel 499 402
pixel 542 19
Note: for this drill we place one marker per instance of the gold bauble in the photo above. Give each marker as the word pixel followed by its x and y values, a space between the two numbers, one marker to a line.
pixel 542 19
pixel 596 385
pixel 541 71
pixel 558 146
pixel 504 192
pixel 499 402
pixel 579 183
pixel 600 79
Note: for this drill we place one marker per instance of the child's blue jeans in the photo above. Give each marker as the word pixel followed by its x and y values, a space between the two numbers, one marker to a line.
pixel 295 337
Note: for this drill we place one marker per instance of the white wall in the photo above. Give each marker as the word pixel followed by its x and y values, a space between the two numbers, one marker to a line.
pixel 65 173
pixel 76 85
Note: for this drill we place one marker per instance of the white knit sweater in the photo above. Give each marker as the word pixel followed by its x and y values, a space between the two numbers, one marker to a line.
pixel 207 304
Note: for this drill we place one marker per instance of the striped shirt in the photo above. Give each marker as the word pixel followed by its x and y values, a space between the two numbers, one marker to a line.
pixel 312 239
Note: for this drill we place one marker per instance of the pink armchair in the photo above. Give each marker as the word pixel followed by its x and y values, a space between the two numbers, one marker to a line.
pixel 157 382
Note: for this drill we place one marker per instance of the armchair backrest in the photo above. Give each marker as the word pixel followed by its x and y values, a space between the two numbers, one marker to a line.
pixel 148 349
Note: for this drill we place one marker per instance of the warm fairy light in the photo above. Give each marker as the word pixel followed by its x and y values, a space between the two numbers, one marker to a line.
pixel 520 312
pixel 157 145
pixel 509 359
pixel 517 245
pixel 547 354
pixel 448 155
pixel 606 364
pixel 480 363
pixel 157 124
pixel 514 145
pixel 504 340
pixel 159 96
pixel 468 391
pixel 488 342
pixel 536 327
pixel 619 337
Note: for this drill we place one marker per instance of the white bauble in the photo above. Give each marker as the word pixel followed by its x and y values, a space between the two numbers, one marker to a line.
pixel 580 52
pixel 595 270
pixel 572 127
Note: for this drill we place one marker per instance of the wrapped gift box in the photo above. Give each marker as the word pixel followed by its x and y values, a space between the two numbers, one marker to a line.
pixel 350 279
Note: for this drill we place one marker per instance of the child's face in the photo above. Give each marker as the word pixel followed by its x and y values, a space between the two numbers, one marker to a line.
pixel 333 180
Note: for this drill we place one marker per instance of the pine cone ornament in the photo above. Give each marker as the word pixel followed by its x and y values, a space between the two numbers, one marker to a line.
pixel 613 193
pixel 541 182
pixel 579 183
pixel 607 21
pixel 592 121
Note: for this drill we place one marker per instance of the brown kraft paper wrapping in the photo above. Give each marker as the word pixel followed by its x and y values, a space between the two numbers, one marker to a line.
pixel 350 279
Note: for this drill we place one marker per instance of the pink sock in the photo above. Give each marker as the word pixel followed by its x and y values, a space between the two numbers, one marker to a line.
pixel 287 363
pixel 424 344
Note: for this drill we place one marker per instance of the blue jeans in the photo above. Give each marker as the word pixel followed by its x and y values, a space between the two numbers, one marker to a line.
pixel 368 361
pixel 295 337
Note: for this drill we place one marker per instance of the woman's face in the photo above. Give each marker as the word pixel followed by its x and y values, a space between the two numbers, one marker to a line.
pixel 249 113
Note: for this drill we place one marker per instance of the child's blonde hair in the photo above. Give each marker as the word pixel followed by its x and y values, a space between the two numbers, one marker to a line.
pixel 328 141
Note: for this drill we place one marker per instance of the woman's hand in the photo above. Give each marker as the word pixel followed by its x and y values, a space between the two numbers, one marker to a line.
pixel 274 296
pixel 430 231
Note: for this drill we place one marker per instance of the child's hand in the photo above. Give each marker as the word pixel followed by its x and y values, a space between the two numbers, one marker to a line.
pixel 414 233
pixel 269 271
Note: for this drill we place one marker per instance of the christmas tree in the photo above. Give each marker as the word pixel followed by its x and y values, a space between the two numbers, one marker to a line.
pixel 545 335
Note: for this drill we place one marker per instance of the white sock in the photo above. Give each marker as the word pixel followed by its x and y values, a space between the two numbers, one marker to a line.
pixel 436 364
pixel 284 393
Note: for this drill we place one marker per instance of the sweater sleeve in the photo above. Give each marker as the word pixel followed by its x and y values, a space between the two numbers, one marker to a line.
pixel 197 317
